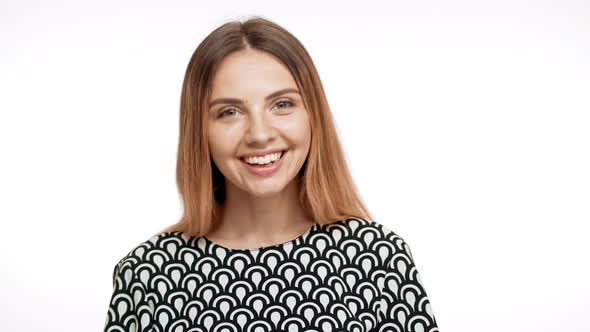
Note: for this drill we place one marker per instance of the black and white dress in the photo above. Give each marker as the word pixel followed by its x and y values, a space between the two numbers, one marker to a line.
pixel 354 275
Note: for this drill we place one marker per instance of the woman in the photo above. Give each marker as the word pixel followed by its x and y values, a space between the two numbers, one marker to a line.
pixel 274 236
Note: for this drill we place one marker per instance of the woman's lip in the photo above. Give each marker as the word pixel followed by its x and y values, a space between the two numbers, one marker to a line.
pixel 282 152
pixel 267 170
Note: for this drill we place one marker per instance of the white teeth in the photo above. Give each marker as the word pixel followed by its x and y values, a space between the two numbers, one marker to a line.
pixel 264 159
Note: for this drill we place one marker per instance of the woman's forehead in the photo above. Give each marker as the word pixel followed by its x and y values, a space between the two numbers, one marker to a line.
pixel 250 73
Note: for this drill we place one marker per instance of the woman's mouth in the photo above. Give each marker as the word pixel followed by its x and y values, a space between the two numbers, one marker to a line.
pixel 266 169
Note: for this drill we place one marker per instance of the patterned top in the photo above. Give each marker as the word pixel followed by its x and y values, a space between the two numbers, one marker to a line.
pixel 353 275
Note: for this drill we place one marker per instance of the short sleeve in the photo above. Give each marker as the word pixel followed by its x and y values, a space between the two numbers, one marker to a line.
pixel 404 303
pixel 128 309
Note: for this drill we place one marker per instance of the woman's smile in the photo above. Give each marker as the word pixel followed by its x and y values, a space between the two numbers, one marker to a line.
pixel 265 169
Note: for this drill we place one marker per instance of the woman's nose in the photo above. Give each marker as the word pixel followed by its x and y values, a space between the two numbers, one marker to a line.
pixel 259 128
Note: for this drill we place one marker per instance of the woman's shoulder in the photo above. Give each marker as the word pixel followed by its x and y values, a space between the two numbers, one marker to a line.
pixel 361 228
pixel 356 240
pixel 157 249
pixel 366 234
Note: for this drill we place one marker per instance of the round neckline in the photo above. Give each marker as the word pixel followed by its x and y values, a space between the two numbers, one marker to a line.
pixel 282 244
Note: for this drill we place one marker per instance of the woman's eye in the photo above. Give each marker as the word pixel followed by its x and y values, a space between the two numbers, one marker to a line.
pixel 284 102
pixel 223 112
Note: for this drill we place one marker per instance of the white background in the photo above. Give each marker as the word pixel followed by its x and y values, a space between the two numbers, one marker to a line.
pixel 466 125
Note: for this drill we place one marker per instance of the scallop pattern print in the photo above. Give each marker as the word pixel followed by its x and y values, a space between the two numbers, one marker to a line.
pixel 354 275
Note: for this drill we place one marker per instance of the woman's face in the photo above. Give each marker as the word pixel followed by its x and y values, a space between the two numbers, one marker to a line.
pixel 257 123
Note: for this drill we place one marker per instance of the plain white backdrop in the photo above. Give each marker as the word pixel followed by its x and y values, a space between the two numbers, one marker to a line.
pixel 466 125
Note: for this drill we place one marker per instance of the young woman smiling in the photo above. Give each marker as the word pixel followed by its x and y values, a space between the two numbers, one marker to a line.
pixel 274 236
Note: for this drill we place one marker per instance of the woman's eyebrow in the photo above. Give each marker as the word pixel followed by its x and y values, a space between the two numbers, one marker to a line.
pixel 239 101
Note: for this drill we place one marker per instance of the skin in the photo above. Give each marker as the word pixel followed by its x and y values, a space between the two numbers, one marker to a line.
pixel 259 210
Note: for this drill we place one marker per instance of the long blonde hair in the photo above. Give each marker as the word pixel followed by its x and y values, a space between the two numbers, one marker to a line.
pixel 327 192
